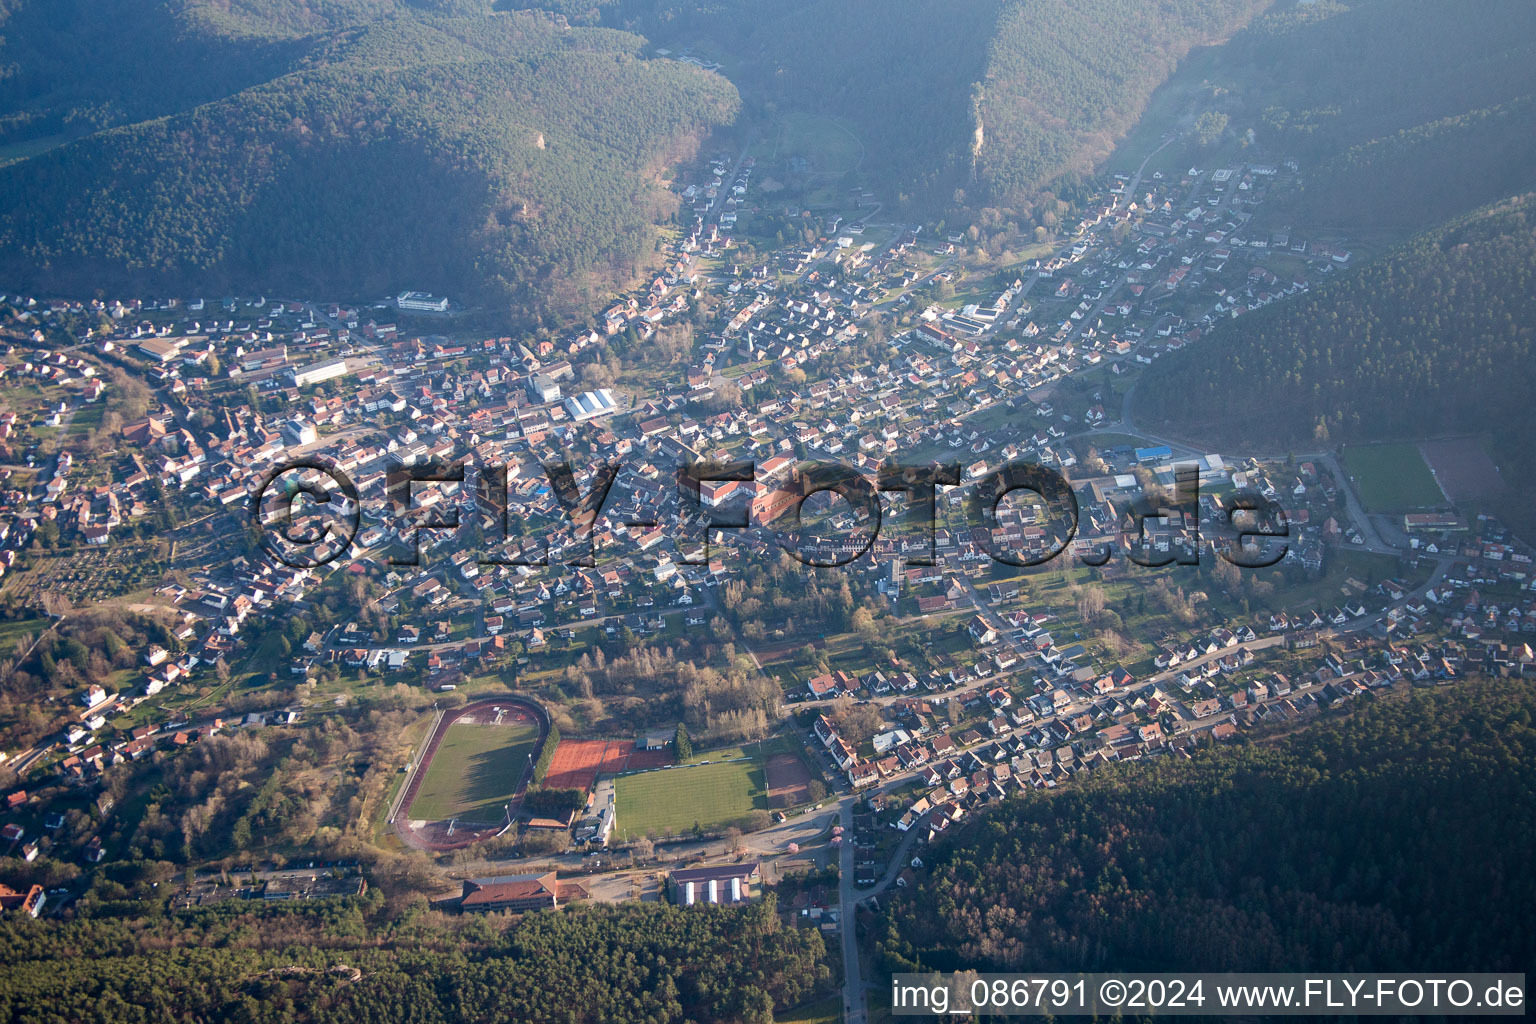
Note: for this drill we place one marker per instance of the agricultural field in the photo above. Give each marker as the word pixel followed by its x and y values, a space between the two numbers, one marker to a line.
pixel 475 771
pixel 16 151
pixel 15 631
pixel 1392 477
pixel 672 800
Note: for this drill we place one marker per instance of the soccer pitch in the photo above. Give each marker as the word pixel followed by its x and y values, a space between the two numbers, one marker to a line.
pixel 670 801
pixel 475 771
pixel 1392 477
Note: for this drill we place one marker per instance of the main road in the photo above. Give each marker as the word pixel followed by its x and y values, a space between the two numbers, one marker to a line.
pixel 854 1005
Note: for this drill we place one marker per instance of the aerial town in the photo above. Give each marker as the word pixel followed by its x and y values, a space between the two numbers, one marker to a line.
pixel 947 666
pixel 816 512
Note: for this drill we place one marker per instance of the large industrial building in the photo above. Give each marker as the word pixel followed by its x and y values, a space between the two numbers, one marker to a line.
pixel 590 404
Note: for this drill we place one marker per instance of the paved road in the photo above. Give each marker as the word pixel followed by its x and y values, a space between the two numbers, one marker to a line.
pixel 1131 186
pixel 716 205
pixel 804 828
pixel 1003 626
pixel 854 1005
pixel 1357 513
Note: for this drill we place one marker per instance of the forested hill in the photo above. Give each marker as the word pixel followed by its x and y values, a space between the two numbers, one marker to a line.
pixel 1392 839
pixel 68 67
pixel 1437 336
pixel 987 101
pixel 504 158
pixel 1405 112
pixel 126 963
pixel 1065 80
pixel 1402 112
pixel 354 147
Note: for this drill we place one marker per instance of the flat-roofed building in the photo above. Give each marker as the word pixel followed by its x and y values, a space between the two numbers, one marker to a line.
pixel 312 887
pixel 1433 522
pixel 314 373
pixel 421 302
pixel 162 350
pixel 542 388
pixel 265 358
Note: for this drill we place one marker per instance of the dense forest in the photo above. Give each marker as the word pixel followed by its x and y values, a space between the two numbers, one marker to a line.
pixel 1388 840
pixel 1064 81
pixel 1434 337
pixel 70 67
pixel 361 959
pixel 505 158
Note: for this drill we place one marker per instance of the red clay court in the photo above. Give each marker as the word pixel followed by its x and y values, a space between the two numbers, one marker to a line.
pixel 578 763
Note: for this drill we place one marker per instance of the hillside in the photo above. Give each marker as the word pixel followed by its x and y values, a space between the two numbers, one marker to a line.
pixel 1438 336
pixel 981 104
pixel 355 147
pixel 1409 111
pixel 1401 113
pixel 1064 81
pixel 1345 847
pixel 69 67
pixel 502 158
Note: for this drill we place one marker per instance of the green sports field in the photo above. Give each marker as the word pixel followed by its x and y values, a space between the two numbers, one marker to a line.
pixel 475 772
pixel 670 801
pixel 826 145
pixel 1392 477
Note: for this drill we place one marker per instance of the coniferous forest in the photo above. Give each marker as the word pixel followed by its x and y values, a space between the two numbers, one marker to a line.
pixel 1403 113
pixel 1386 840
pixel 506 159
pixel 511 157
pixel 987 103
pixel 359 960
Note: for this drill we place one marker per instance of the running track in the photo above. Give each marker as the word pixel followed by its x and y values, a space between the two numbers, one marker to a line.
pixel 403 818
